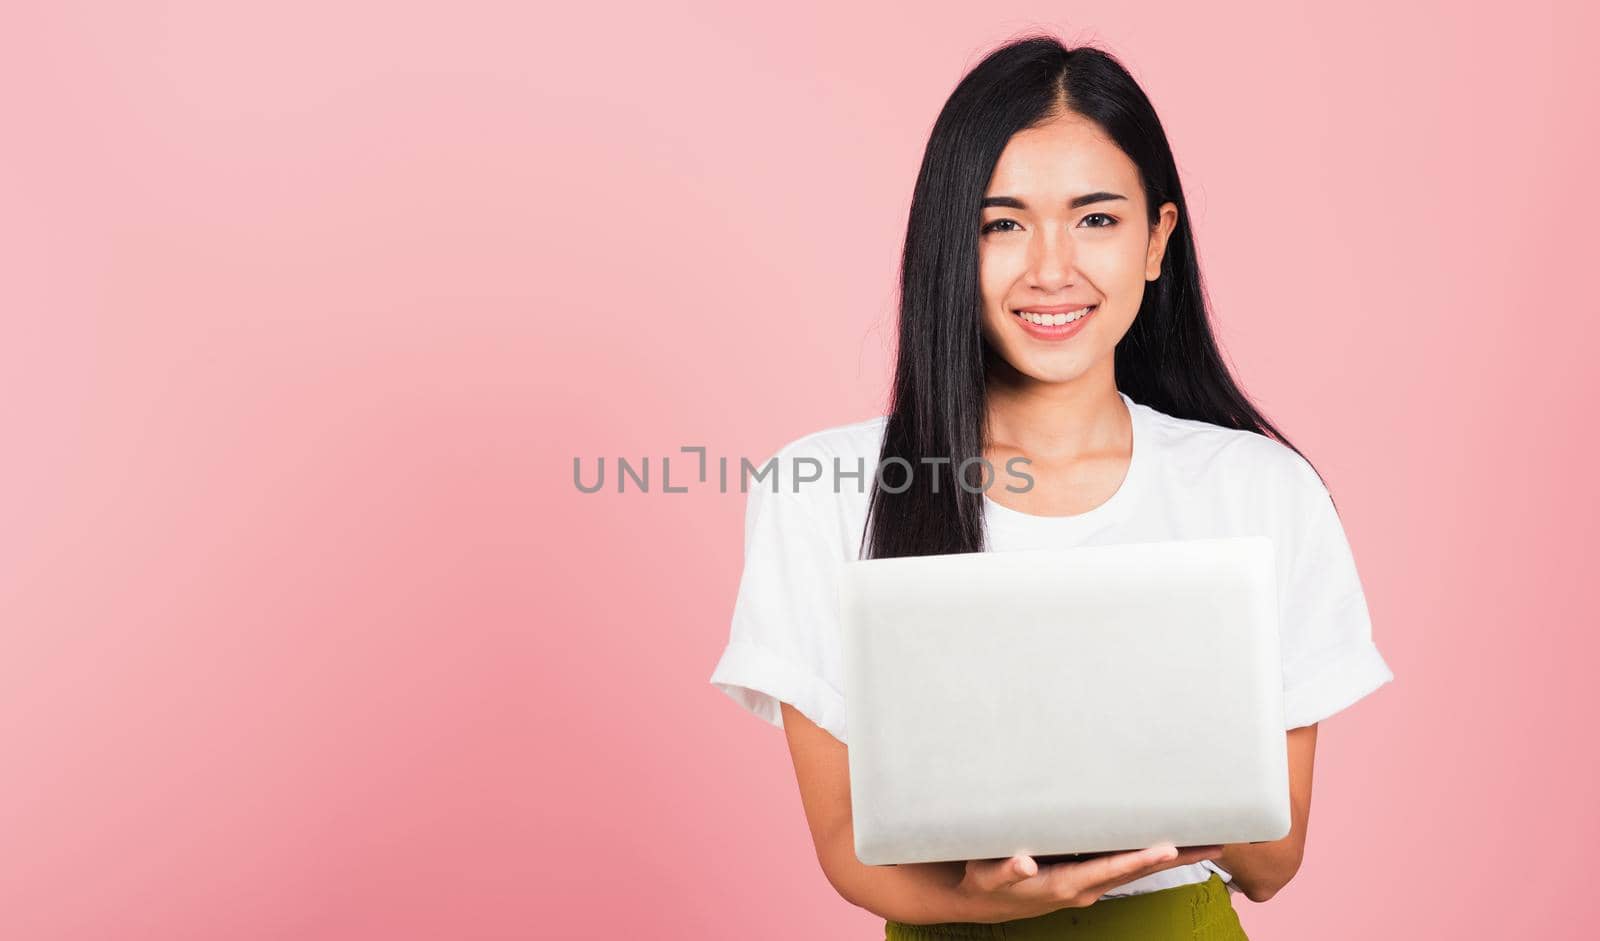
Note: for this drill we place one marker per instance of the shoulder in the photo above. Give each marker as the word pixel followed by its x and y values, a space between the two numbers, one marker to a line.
pixel 861 438
pixel 825 475
pixel 1202 450
pixel 835 460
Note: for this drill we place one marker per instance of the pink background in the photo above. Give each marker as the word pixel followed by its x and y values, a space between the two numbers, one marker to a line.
pixel 306 309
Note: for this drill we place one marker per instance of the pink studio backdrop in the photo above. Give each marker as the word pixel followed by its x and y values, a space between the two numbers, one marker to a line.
pixel 306 309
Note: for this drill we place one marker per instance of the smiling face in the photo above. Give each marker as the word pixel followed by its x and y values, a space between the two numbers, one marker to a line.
pixel 1065 226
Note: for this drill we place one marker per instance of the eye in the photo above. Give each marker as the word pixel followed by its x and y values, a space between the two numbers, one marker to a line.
pixel 991 226
pixel 1110 220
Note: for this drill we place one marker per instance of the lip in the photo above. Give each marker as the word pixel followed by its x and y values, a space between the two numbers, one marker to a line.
pixel 1053 308
pixel 1052 332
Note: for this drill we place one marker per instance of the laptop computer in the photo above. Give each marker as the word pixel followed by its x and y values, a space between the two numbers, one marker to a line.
pixel 1064 701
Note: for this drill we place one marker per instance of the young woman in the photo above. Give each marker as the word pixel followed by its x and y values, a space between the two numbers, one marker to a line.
pixel 1052 309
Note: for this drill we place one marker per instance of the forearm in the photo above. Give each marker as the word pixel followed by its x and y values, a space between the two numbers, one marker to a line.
pixel 1259 870
pixel 910 893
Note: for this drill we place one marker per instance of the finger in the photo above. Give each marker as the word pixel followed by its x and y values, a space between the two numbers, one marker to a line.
pixel 1109 869
pixel 1017 868
pixel 1194 854
pixel 996 874
pixel 1172 858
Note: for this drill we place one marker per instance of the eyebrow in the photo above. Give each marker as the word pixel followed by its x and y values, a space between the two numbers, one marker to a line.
pixel 1012 202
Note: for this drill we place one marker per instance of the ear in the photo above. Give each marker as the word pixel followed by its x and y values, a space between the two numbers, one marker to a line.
pixel 1158 240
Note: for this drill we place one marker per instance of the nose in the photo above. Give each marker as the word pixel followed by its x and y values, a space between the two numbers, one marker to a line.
pixel 1054 260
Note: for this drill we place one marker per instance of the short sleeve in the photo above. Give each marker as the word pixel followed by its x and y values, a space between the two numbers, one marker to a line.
pixel 783 639
pixel 1329 658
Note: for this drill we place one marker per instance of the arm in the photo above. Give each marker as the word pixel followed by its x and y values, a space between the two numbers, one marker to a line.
pixel 1261 869
pixel 917 893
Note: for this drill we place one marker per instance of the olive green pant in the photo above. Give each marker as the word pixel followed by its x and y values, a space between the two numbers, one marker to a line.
pixel 1198 912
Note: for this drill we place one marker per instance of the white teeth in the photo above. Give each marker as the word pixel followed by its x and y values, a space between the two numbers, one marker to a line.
pixel 1054 320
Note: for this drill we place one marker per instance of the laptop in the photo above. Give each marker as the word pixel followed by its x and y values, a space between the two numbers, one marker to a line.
pixel 1064 701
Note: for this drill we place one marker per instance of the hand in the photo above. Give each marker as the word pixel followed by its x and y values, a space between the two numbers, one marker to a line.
pixel 1018 887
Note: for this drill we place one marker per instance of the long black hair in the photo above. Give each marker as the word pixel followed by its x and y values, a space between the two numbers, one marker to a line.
pixel 1167 360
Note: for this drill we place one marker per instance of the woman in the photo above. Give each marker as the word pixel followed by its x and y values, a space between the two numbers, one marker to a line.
pixel 1052 310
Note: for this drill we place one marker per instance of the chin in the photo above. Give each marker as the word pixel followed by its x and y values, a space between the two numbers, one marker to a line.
pixel 1046 374
pixel 1054 376
pixel 1037 361
pixel 1064 367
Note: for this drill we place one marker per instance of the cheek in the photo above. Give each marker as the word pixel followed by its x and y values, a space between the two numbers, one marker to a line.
pixel 1000 267
pixel 1115 263
pixel 995 281
pixel 992 278
pixel 992 289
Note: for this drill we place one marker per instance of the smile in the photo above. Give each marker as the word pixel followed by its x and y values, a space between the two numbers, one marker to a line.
pixel 1045 320
pixel 1054 326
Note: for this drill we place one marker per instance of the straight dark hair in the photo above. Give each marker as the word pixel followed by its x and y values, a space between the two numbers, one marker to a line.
pixel 1167 360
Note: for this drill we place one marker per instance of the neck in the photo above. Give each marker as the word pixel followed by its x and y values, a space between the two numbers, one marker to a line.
pixel 1056 420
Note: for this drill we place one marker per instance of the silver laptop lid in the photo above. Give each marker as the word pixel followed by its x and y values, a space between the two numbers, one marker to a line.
pixel 1070 700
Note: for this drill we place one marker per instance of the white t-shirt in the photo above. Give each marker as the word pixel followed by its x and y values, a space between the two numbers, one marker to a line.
pixel 1186 479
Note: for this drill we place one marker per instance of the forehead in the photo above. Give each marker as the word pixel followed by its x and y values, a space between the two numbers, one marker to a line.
pixel 1068 156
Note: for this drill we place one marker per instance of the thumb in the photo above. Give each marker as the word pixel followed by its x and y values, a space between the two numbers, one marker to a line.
pixel 991 875
pixel 1018 868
